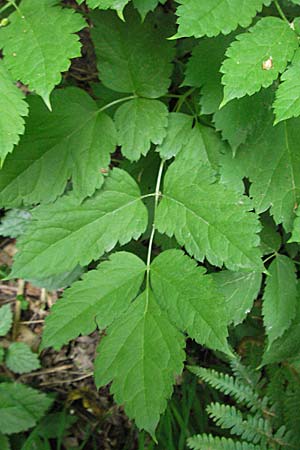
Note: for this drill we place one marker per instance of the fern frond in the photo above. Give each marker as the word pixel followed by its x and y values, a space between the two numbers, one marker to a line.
pixel 291 413
pixel 229 386
pixel 209 442
pixel 244 373
pixel 276 392
pixel 251 428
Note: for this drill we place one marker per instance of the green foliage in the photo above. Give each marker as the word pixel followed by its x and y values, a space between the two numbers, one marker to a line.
pixel 249 66
pixel 139 61
pixel 207 442
pixel 12 122
pixel 139 123
pixel 199 200
pixel 98 220
pixel 107 293
pixel 280 297
pixel 20 407
pixel 6 318
pixel 185 212
pixel 210 19
pixel 239 290
pixel 20 359
pixel 145 339
pixel 45 34
pixel 258 422
pixel 59 140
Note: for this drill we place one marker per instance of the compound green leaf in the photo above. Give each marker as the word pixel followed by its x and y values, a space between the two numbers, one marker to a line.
pixel 256 58
pixel 132 56
pixel 179 131
pixel 286 346
pixel 20 358
pixel 280 297
pixel 191 300
pixel 272 163
pixel 139 123
pixel 21 407
pixel 75 140
pixel 207 76
pixel 202 18
pixel 207 217
pixel 239 289
pixel 141 354
pixel 13 108
pixel 102 296
pixel 39 42
pixel 243 118
pixel 6 318
pixel 68 232
pixel 287 102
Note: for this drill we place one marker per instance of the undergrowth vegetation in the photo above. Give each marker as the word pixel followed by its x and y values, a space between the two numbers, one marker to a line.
pixel 150 161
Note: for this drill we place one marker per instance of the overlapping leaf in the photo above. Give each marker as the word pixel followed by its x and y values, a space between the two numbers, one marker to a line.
pixel 20 358
pixel 101 296
pixel 244 118
pixel 191 300
pixel 287 103
pixel 208 218
pixel 201 18
pixel 207 76
pixel 39 42
pixel 178 133
pixel 139 123
pixel 75 140
pixel 107 4
pixel 287 346
pixel 20 407
pixel 272 163
pixel 280 297
pixel 13 108
pixel 239 289
pixel 256 58
pixel 143 6
pixel 68 232
pixel 132 56
pixel 6 319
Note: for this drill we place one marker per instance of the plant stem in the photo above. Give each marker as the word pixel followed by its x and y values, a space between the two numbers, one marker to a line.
pixel 280 11
pixel 4 7
pixel 115 102
pixel 150 245
pixel 183 98
pixel 13 3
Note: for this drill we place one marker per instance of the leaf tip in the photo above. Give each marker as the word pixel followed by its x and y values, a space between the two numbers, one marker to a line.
pixel 120 14
pixel 47 102
pixel 174 37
